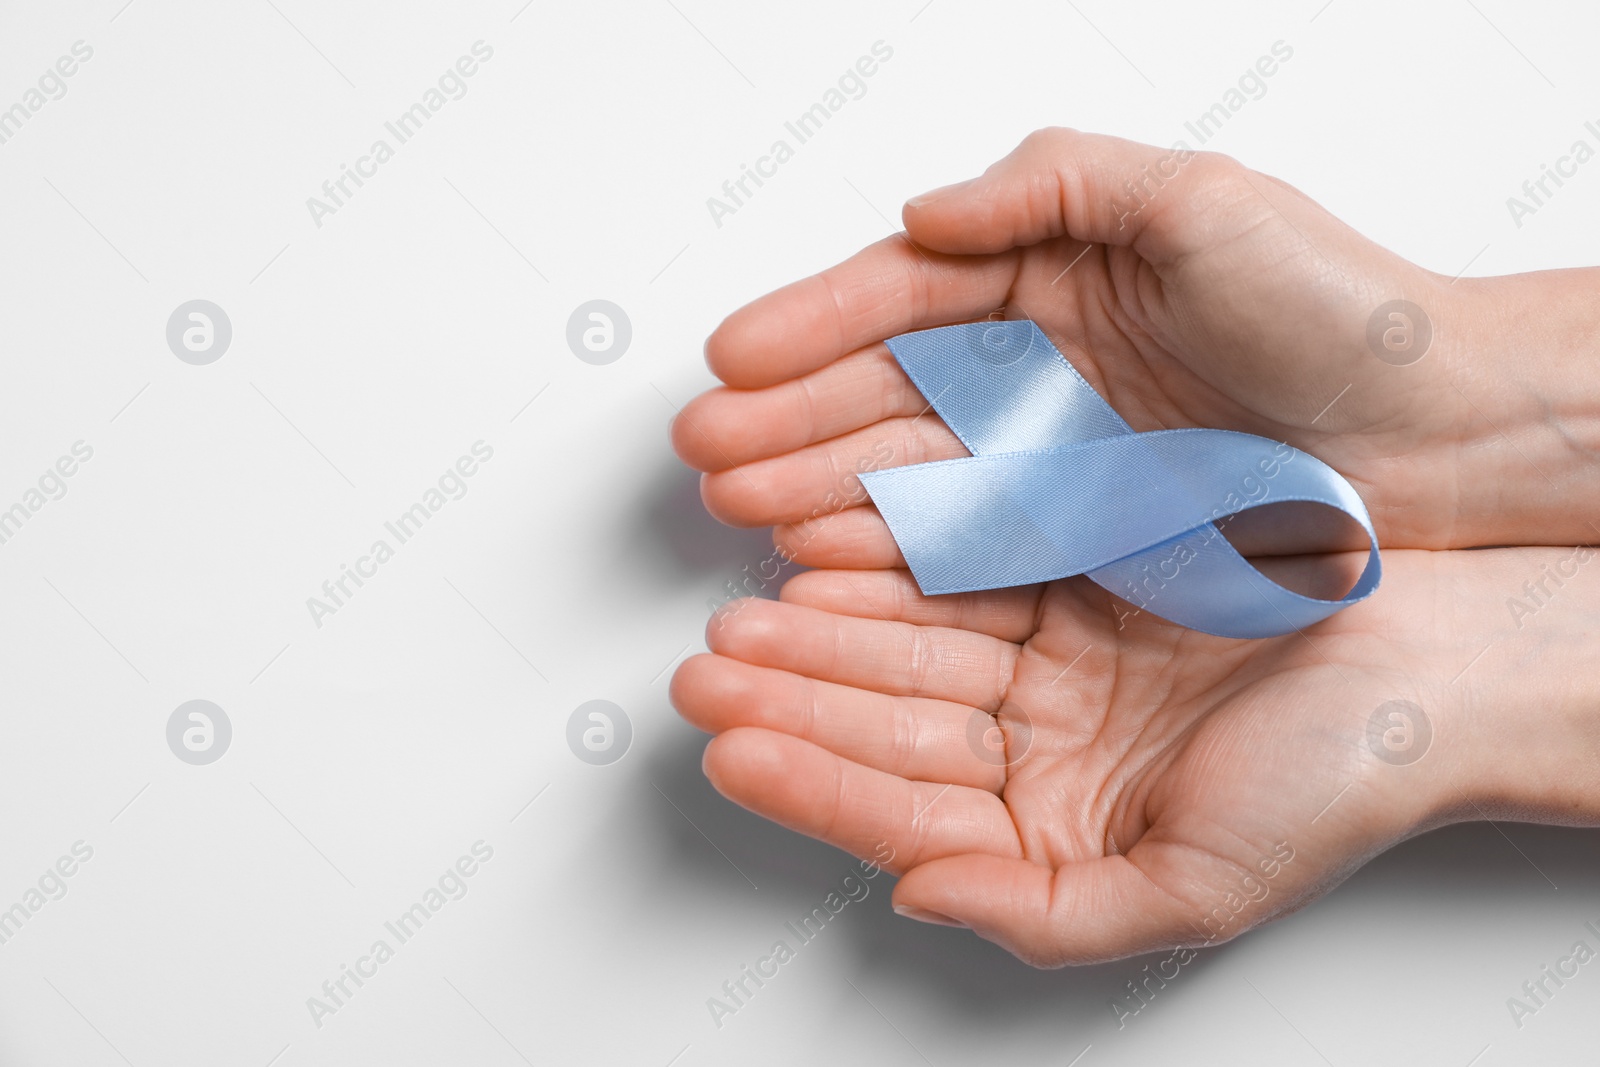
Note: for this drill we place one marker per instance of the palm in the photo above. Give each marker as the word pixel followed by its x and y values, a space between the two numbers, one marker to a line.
pixel 1180 748
pixel 1150 730
pixel 1149 765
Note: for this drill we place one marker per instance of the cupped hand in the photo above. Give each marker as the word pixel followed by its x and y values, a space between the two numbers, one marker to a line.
pixel 1188 290
pixel 1078 785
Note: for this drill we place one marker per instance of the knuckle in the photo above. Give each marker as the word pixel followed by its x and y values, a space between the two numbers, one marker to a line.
pixel 1217 170
pixel 1050 138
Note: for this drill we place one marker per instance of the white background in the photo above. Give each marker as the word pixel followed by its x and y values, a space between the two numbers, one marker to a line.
pixel 372 351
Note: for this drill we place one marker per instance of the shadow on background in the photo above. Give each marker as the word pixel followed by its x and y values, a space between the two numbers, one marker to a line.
pixel 953 969
pixel 967 979
pixel 676 534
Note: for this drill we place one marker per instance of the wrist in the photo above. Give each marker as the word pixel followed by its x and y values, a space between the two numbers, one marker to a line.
pixel 1522 739
pixel 1518 366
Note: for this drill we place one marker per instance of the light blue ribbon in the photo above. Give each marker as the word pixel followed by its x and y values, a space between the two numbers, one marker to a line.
pixel 1057 485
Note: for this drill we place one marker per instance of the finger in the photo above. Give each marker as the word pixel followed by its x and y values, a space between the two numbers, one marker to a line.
pixel 1008 614
pixel 909 737
pixel 887 657
pixel 1086 911
pixel 824 477
pixel 856 538
pixel 1103 190
pixel 884 290
pixel 1304 557
pixel 724 427
pixel 810 790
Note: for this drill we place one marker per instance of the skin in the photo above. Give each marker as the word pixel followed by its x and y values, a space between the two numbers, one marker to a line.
pixel 1077 781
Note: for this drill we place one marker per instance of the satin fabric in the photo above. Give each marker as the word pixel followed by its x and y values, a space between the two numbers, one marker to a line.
pixel 1058 484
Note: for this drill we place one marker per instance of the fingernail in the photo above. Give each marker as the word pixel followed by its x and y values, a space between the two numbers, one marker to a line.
pixel 939 193
pixel 923 915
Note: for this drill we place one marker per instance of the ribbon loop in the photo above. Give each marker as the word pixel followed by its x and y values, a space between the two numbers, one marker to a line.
pixel 1058 484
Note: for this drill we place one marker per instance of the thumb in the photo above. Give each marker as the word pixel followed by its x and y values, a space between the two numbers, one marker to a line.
pixel 1098 189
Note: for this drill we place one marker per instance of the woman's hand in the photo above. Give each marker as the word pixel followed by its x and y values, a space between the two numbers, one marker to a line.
pixel 1189 291
pixel 1078 785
